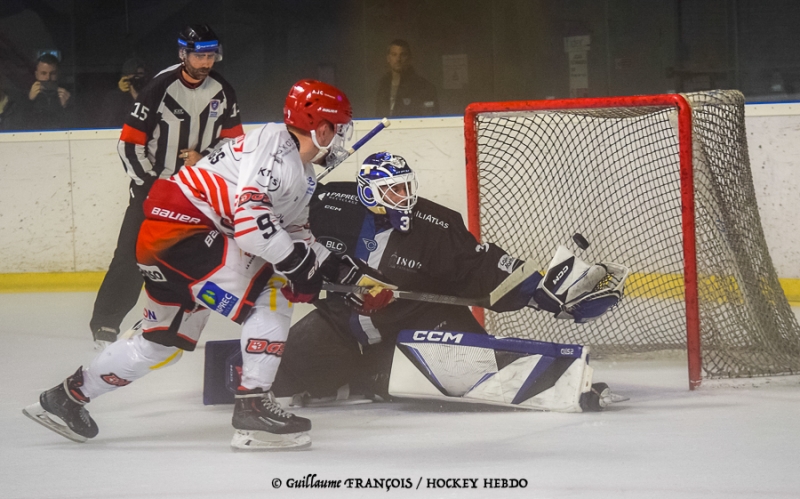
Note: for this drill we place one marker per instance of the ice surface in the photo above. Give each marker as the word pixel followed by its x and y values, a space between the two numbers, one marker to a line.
pixel 158 440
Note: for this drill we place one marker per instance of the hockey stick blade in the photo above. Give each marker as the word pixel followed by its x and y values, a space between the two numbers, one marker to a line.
pixel 355 147
pixel 524 271
pixel 409 295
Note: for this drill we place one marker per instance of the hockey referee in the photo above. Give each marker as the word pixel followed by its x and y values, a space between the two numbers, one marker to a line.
pixel 179 117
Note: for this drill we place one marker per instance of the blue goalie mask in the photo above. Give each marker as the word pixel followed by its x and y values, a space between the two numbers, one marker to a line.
pixel 387 186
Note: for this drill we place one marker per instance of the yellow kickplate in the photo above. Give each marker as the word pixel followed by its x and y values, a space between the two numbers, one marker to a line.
pixel 49 282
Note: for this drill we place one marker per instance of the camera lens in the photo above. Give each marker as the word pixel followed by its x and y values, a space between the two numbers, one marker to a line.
pixel 138 82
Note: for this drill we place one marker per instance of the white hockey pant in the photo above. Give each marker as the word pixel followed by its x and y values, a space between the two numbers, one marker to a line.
pixel 264 335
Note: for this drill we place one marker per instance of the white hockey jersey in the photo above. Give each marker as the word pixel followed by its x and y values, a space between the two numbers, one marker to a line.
pixel 256 190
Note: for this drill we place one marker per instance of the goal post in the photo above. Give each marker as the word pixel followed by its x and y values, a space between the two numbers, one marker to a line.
pixel 659 183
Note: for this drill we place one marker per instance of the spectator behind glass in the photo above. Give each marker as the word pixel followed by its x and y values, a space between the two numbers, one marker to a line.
pixel 10 111
pixel 50 105
pixel 119 102
pixel 402 92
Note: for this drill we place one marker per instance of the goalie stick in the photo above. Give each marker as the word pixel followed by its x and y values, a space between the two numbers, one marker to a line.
pixel 409 295
pixel 355 147
pixel 523 272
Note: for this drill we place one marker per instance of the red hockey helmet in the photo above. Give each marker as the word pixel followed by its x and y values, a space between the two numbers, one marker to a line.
pixel 310 101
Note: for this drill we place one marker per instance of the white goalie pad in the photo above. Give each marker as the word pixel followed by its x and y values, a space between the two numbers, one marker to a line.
pixel 468 367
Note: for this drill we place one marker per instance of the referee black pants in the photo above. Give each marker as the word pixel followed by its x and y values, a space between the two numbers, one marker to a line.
pixel 123 281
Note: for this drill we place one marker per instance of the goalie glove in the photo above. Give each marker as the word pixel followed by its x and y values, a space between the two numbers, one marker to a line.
pixel 573 289
pixel 358 273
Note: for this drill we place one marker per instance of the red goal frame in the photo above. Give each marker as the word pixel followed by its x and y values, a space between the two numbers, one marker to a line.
pixel 686 186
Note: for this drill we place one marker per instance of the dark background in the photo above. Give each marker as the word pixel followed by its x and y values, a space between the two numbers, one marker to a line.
pixel 514 48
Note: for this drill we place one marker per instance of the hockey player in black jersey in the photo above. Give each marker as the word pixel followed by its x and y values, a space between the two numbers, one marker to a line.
pixel 419 246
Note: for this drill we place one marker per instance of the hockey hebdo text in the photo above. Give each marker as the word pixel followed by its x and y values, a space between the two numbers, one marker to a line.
pixel 312 481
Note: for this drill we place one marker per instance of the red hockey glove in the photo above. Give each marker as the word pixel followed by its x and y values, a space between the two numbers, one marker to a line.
pixel 358 273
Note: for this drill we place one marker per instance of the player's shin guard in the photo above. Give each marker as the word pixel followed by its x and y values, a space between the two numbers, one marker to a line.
pixel 467 367
pixel 124 362
pixel 264 334
pixel 65 402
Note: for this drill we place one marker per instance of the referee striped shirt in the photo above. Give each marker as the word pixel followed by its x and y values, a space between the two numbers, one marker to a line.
pixel 171 114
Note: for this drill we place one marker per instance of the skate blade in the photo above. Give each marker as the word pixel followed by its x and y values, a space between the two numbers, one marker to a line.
pixel 37 413
pixel 614 398
pixel 246 440
pixel 321 402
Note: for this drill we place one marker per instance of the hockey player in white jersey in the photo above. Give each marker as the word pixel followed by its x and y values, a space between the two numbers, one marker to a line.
pixel 229 234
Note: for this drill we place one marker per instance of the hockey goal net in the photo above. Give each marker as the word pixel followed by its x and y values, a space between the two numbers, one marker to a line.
pixel 659 183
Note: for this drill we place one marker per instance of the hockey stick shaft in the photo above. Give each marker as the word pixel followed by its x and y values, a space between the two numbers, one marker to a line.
pixel 409 295
pixel 524 271
pixel 355 147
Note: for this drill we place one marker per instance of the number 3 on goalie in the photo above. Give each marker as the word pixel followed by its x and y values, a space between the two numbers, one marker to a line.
pixel 405 223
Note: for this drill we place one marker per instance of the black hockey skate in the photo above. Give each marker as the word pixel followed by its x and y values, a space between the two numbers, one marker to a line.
pixel 106 334
pixel 261 424
pixel 596 399
pixel 65 402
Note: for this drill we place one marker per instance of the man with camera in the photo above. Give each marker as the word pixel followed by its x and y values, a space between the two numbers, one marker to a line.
pixel 50 105
pixel 118 102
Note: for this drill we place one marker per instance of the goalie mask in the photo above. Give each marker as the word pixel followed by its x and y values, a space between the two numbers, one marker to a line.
pixel 199 38
pixel 387 186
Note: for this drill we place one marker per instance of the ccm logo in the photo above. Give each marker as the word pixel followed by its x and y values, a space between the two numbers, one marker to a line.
pixel 178 217
pixel 438 336
pixel 266 347
pixel 561 274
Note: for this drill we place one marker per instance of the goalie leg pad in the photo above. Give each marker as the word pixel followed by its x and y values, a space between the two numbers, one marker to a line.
pixel 468 367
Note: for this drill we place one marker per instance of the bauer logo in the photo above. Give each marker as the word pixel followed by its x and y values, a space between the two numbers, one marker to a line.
pixel 438 336
pixel 217 299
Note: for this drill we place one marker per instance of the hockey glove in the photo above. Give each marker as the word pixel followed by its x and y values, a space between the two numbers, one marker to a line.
pixel 301 270
pixel 357 273
pixel 573 289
